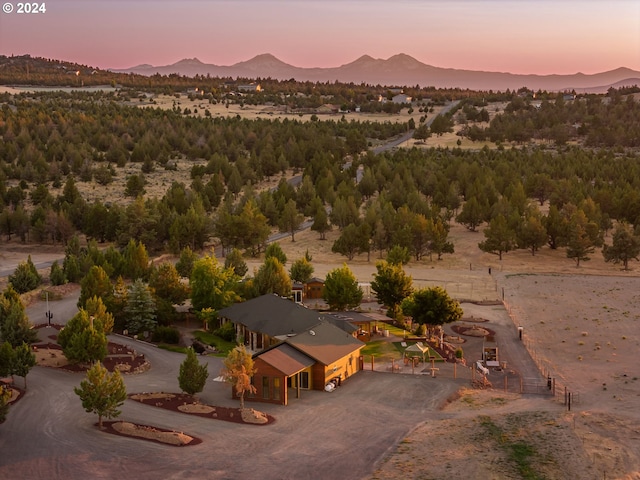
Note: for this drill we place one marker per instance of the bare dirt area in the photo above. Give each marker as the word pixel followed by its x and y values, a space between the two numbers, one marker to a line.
pixel 580 326
pixel 493 435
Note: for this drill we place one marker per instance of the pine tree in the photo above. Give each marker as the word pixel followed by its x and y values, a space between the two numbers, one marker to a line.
pixel 83 340
pixel 7 359
pixel 275 250
pixel 391 285
pixel 272 277
pixel 25 277
pixel 95 284
pixel 15 327
pixel 140 310
pixel 57 276
pixel 301 270
pixel 102 392
pixel 23 360
pixel 625 247
pixel 321 223
pixel 184 265
pixel 193 375
pixel 499 237
pixel 236 261
pixel 291 219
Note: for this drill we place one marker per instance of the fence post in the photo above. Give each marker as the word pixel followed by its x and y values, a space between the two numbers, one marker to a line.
pixel 505 383
pixel 455 365
pixel 521 386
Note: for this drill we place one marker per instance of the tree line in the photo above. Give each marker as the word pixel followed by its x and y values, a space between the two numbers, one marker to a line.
pixel 611 121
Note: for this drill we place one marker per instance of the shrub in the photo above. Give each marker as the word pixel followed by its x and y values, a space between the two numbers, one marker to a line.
pixel 459 353
pixel 226 332
pixel 166 335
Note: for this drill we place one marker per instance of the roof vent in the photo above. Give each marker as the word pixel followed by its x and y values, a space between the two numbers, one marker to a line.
pixel 311 332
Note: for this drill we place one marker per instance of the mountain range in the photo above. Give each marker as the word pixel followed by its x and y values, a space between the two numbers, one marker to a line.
pixel 398 70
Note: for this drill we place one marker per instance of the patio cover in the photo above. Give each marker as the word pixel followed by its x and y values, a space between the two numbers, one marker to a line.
pixel 418 348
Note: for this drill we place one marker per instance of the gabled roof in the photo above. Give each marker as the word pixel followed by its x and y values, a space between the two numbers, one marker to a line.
pixel 341 321
pixel 286 359
pixel 315 280
pixel 325 343
pixel 272 315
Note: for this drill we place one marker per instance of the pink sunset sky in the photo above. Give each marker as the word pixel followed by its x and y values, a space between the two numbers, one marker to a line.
pixel 518 36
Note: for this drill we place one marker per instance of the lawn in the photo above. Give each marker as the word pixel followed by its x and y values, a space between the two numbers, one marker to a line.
pixel 382 349
pixel 427 355
pixel 172 348
pixel 223 347
pixel 385 350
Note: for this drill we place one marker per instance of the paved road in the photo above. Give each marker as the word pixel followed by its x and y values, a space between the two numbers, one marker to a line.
pixel 409 134
pixel 342 434
pixel 323 435
pixel 62 310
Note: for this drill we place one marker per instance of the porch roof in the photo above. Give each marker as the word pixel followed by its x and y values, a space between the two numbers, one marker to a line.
pixel 286 359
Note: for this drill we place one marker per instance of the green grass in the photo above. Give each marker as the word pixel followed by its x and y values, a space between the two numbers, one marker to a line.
pixel 381 349
pixel 430 353
pixel 393 330
pixel 520 453
pixel 172 348
pixel 222 346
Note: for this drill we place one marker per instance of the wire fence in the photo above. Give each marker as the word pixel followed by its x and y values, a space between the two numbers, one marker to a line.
pixel 481 286
pixel 554 383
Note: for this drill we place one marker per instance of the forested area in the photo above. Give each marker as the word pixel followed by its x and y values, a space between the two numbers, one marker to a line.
pixel 611 121
pixel 53 141
pixel 406 198
pixel 572 176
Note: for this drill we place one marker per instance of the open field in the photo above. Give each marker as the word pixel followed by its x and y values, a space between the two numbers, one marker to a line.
pixel 580 325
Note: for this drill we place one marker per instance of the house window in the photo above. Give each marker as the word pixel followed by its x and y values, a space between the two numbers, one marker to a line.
pixel 265 388
pixel 276 388
pixel 304 380
pixel 253 384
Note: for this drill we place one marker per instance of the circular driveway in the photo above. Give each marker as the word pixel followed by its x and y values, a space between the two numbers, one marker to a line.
pixel 343 434
pixel 321 435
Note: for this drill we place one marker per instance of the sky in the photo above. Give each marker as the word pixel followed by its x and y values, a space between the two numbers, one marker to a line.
pixel 517 36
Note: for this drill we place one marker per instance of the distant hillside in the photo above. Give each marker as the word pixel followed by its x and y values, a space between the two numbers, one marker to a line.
pixel 398 70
